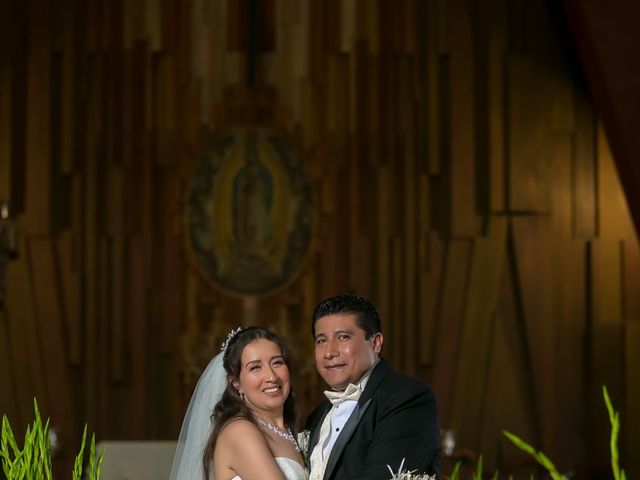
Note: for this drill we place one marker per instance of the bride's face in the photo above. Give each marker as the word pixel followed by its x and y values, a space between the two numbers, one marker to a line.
pixel 264 376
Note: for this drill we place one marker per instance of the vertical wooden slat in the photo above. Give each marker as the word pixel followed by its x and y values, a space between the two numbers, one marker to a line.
pixel 397 310
pixel 116 268
pixel 631 416
pixel 569 333
pixel 584 167
pixel 5 102
pixel 409 222
pixel 462 214
pixel 348 15
pixel 496 105
pixel 429 293
pixel 487 268
pixel 138 339
pixel 606 347
pixel 535 264
pixel 69 296
pixel 76 265
pixel 26 354
pixel 529 189
pixel 383 257
pixel 8 372
pixel 561 146
pixel 433 126
pixel 429 276
pixel 49 332
pixel 90 239
pixel 68 93
pixel 452 294
pixel 38 167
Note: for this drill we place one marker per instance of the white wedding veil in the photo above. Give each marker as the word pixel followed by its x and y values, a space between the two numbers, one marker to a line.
pixel 196 426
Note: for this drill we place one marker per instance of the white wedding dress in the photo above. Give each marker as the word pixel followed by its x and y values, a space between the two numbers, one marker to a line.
pixel 292 470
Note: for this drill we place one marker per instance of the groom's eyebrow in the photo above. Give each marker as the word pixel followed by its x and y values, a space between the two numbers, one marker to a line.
pixel 346 330
pixel 336 332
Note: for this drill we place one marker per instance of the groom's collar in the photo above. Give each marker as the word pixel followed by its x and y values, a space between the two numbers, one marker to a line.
pixel 362 383
pixel 374 376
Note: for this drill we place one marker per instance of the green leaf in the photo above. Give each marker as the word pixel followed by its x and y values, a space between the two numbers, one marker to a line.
pixel 540 457
pixel 455 474
pixel 614 419
pixel 7 435
pixel 77 465
pixel 518 442
pixel 478 474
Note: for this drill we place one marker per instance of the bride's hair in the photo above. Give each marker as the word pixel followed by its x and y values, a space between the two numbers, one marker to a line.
pixel 231 405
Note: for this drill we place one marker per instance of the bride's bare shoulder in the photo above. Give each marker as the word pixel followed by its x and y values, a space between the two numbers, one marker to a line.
pixel 243 450
pixel 240 430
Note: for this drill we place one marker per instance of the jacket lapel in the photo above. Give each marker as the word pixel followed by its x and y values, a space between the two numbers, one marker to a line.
pixel 345 435
pixel 379 372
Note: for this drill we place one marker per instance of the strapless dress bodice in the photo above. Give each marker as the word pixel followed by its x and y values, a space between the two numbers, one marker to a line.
pixel 292 470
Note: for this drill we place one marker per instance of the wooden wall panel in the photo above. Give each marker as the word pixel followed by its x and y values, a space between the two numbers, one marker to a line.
pixel 426 127
pixel 5 101
pixel 496 45
pixel 38 115
pixel 606 347
pixel 535 257
pixel 631 404
pixel 49 327
pixel 486 270
pixel 26 362
pixel 451 294
pixel 570 365
pixel 529 182
pixel 462 219
pixel 584 165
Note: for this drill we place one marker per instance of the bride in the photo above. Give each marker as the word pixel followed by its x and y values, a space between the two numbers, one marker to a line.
pixel 251 433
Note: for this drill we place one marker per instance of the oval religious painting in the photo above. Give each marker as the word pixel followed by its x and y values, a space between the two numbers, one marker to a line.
pixel 250 212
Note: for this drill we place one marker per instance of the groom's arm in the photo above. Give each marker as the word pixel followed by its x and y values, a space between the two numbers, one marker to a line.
pixel 406 428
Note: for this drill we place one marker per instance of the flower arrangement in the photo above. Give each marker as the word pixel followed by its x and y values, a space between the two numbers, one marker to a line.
pixel 33 461
pixel 411 475
pixel 303 443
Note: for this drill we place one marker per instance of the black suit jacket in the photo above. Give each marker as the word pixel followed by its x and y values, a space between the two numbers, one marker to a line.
pixel 395 419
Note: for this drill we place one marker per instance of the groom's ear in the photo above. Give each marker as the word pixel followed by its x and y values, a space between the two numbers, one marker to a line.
pixel 377 341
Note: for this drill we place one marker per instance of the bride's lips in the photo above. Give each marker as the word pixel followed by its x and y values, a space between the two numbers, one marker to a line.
pixel 276 389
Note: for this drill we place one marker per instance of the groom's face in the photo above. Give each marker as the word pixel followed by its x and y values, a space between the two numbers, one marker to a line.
pixel 343 355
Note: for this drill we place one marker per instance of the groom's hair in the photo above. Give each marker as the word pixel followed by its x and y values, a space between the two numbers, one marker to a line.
pixel 367 315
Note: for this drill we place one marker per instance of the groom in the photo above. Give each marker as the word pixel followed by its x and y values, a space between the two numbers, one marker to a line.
pixel 374 416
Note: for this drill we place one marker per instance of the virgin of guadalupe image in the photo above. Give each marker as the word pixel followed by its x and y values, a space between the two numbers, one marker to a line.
pixel 252 203
pixel 252 213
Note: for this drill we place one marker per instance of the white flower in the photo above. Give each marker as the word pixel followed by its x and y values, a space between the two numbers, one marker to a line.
pixel 303 441
pixel 409 475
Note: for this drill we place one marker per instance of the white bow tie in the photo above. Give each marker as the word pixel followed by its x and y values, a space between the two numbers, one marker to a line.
pixel 352 392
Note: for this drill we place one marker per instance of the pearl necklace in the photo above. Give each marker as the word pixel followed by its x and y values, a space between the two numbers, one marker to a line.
pixel 287 435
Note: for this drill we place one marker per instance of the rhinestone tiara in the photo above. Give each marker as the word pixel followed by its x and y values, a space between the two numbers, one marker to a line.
pixel 232 334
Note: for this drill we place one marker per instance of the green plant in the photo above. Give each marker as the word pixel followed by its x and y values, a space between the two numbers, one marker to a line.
pixel 614 419
pixel 542 459
pixel 455 474
pixel 33 461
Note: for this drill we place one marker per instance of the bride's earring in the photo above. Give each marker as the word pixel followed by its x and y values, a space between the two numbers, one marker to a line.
pixel 241 393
